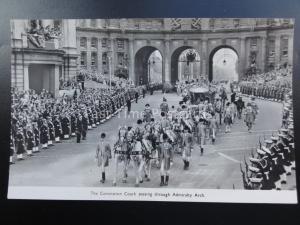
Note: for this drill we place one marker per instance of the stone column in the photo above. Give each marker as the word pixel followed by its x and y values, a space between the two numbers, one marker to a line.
pixel 113 56
pixel 99 55
pixel 26 78
pixel 69 46
pixel 277 50
pixel 56 81
pixel 166 73
pixel 131 61
pixel 88 53
pixel 290 50
pixel 243 58
pixel 263 54
pixel 204 57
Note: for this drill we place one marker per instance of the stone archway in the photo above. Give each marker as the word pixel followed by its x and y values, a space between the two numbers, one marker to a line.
pixel 211 57
pixel 175 59
pixel 141 64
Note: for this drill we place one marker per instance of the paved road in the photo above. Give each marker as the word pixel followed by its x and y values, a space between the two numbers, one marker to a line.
pixel 72 164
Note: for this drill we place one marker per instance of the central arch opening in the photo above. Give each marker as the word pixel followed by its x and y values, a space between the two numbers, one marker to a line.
pixel 148 66
pixel 223 64
pixel 185 64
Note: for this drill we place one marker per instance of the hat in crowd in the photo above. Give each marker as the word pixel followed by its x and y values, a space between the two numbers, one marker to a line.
pixel 139 121
pixel 103 135
pixel 268 141
pixel 253 169
pixel 259 151
pixel 265 149
pixel 165 136
pixel 255 179
pixel 273 138
pixel 282 135
pixel 284 130
pixel 147 104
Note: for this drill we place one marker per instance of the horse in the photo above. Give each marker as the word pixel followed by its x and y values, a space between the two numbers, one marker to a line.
pixel 121 154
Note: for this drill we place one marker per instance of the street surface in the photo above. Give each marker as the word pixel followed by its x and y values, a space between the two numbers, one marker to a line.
pixel 72 164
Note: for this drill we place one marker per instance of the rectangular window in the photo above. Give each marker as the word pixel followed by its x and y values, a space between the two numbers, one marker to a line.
pixel 83 42
pixel 83 59
pixel 94 42
pixel 104 59
pixel 284 48
pixel 271 48
pixel 104 42
pixel 120 44
pixel 120 58
pixel 94 59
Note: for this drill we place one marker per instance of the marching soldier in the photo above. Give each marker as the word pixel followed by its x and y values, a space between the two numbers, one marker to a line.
pixel 187 142
pixel 164 107
pixel 147 113
pixel 103 154
pixel 165 156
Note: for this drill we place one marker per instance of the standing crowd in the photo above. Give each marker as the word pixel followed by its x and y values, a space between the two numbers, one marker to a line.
pixel 40 120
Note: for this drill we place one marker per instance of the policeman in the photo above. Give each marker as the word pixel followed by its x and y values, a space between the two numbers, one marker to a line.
pixel 165 156
pixel 73 124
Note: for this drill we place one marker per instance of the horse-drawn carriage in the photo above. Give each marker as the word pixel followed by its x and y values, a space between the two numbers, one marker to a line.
pixel 200 94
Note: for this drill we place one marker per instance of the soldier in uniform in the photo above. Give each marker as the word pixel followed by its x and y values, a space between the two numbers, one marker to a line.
pixel 84 125
pixel 44 134
pixel 12 149
pixel 51 132
pixel 103 154
pixel 165 156
pixel 57 128
pixel 73 124
pixel 29 140
pixel 147 113
pixel 20 143
pixel 36 133
pixel 187 143
pixel 65 126
pixel 79 128
pixel 164 107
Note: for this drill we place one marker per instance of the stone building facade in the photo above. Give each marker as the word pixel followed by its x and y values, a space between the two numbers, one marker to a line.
pixel 111 45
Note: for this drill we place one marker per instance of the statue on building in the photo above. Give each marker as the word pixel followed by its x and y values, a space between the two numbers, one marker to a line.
pixel 196 24
pixel 175 24
pixel 35 34
pixel 38 34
